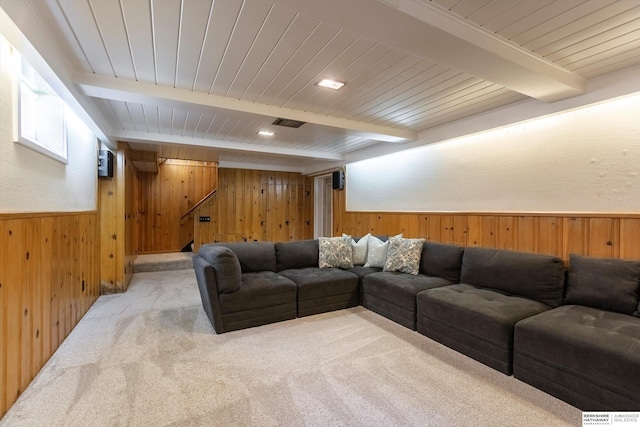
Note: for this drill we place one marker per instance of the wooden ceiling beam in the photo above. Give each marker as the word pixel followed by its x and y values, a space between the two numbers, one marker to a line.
pixel 152 94
pixel 429 31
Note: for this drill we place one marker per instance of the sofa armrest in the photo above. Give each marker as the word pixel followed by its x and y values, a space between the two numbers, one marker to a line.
pixel 206 278
pixel 226 265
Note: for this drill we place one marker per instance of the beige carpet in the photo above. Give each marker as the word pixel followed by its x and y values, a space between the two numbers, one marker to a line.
pixel 149 357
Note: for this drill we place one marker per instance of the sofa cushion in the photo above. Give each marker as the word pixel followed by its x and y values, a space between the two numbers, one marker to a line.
pixel 399 289
pixel 609 284
pixel 403 255
pixel 540 277
pixel 299 254
pixel 334 252
pixel 259 290
pixel 225 265
pixel 361 270
pixel 254 256
pixel 315 282
pixel 441 260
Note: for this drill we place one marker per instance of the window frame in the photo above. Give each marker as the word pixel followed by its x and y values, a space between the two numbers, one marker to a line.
pixel 59 152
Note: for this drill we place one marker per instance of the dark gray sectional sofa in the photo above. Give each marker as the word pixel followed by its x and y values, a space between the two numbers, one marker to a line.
pixel 574 334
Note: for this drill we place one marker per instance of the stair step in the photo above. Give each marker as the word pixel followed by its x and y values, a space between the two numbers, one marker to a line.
pixel 163 262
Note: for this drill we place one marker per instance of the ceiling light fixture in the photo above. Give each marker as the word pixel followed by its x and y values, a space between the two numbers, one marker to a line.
pixel 266 133
pixel 331 84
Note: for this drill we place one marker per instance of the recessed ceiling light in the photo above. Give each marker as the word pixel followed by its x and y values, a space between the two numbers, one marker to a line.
pixel 331 84
pixel 266 133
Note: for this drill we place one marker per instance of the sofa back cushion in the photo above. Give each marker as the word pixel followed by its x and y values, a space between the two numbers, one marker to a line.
pixel 226 266
pixel 607 284
pixel 535 276
pixel 300 254
pixel 441 260
pixel 254 256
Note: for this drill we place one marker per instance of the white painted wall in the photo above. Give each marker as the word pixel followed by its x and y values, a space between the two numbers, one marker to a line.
pixel 32 182
pixel 585 160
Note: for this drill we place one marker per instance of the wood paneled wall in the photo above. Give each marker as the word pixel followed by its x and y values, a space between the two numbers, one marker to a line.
pixel 166 196
pixel 49 277
pixel 118 199
pixel 606 236
pixel 257 205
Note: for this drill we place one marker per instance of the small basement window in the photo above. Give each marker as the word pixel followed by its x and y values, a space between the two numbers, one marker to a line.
pixel 41 123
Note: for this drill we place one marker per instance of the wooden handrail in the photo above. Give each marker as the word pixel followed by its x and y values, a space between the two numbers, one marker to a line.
pixel 200 203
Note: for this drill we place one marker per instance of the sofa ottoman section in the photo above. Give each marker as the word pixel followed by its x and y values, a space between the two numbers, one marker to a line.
pixel 587 357
pixel 587 352
pixel 498 288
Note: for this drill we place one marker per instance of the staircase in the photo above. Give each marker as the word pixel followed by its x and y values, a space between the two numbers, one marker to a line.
pixel 163 262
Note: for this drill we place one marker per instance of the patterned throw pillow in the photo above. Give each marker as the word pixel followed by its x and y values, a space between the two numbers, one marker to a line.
pixel 334 252
pixel 403 255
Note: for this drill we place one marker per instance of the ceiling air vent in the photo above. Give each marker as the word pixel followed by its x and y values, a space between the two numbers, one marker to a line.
pixel 288 123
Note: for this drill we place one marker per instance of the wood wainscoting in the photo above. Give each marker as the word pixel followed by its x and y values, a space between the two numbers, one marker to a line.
pixel 49 277
pixel 118 223
pixel 597 235
pixel 257 205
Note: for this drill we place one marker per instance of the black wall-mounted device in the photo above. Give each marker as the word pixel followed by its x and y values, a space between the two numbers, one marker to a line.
pixel 337 179
pixel 105 163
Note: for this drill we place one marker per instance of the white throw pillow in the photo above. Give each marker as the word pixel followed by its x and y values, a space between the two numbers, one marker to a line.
pixel 360 249
pixel 377 252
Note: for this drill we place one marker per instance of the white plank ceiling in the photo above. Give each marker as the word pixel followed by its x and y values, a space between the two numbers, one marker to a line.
pixel 207 75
